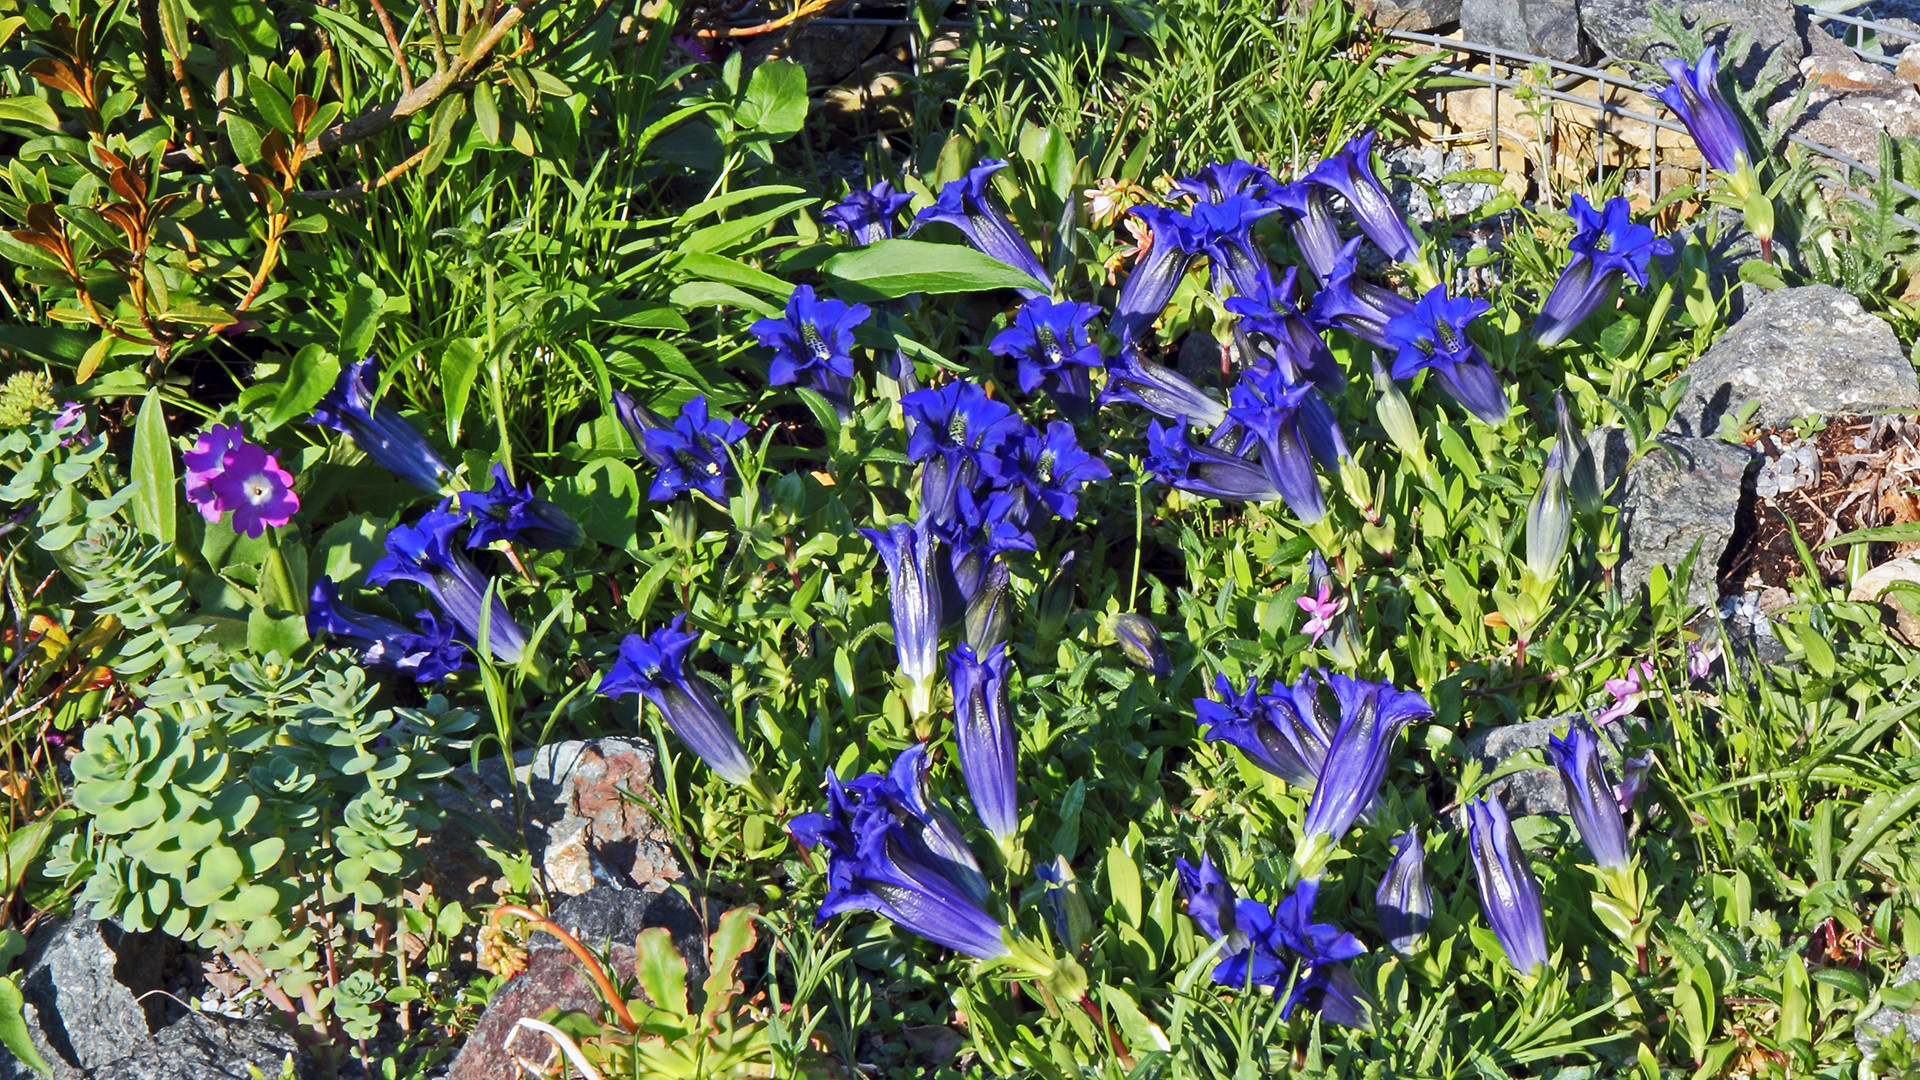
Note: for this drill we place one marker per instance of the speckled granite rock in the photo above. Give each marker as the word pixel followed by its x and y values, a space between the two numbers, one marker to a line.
pixel 1536 791
pixel 1685 493
pixel 1868 1033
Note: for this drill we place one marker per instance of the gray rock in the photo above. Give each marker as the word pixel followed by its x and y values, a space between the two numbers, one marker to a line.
pixel 1868 1033
pixel 1537 791
pixel 1851 103
pixel 1411 14
pixel 1808 351
pixel 1549 28
pixel 1624 29
pixel 1688 492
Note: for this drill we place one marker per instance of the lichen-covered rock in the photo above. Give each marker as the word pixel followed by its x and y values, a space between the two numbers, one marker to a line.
pixel 1868 1033
pixel 1685 493
pixel 1624 29
pixel 1851 103
pixel 1413 15
pixel 1549 28
pixel 1536 791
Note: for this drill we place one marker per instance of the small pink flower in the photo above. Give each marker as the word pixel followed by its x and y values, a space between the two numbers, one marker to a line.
pixel 73 421
pixel 1627 692
pixel 226 473
pixel 1699 660
pixel 1322 608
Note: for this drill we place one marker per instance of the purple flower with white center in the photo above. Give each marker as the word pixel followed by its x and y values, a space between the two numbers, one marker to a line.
pixel 1353 303
pixel 379 430
pixel 1590 799
pixel 880 860
pixel 1315 232
pixel 1176 241
pixel 1221 181
pixel 227 473
pixel 913 593
pixel 867 216
pixel 1350 172
pixel 1278 946
pixel 424 553
pixel 970 205
pixel 1284 732
pixel 1051 345
pixel 1159 389
pixel 1606 246
pixel 429 656
pixel 1404 903
pixel 1434 335
pixel 1050 468
pixel 1204 470
pixel 505 512
pixel 1270 409
pixel 1509 893
pixel 1694 94
pixel 983 735
pixel 1296 348
pixel 1371 716
pixel 958 432
pixel 1224 231
pixel 691 452
pixel 655 668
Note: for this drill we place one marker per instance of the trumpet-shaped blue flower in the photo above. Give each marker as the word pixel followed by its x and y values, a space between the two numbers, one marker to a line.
pixel 379 430
pixel 1694 93
pixel 913 592
pixel 970 205
pixel 814 340
pixel 1159 389
pixel 1270 409
pixel 1509 893
pixel 1224 231
pixel 1315 232
pixel 1590 796
pixel 1202 469
pixel 983 735
pixel 429 656
pixel 1284 732
pixel 637 419
pixel 1350 172
pixel 1296 348
pixel 691 452
pixel 1606 246
pixel 1221 181
pixel 1272 947
pixel 885 857
pixel 1176 240
pixel 1434 335
pixel 1358 753
pixel 868 216
pixel 1051 345
pixel 958 434
pixel 423 553
pixel 505 512
pixel 1048 468
pixel 1353 303
pixel 655 668
pixel 1404 903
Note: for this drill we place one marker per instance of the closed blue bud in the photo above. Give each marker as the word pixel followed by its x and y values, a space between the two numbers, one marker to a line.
pixel 379 430
pixel 1358 753
pixel 1145 293
pixel 1160 390
pixel 423 553
pixel 1509 893
pixel 1141 644
pixel 1694 93
pixel 1315 232
pixel 1404 903
pixel 913 592
pixel 1350 172
pixel 983 736
pixel 1596 810
pixel 655 668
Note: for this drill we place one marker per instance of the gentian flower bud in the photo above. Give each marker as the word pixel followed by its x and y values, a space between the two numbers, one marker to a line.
pixel 1509 893
pixel 1395 414
pixel 1353 303
pixel 867 216
pixel 1371 716
pixel 1606 246
pixel 378 430
pixel 1694 94
pixel 985 625
pixel 1549 523
pixel 428 656
pixel 1582 472
pixel 1350 172
pixel 1071 920
pixel 1590 798
pixel 970 205
pixel 1176 240
pixel 1315 232
pixel 505 512
pixel 1140 643
pixel 983 736
pixel 1284 732
pixel 1204 470
pixel 1434 335
pixel 913 592
pixel 1404 904
pixel 655 668
pixel 423 553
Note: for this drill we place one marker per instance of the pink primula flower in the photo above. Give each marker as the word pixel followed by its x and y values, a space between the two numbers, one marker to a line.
pixel 225 474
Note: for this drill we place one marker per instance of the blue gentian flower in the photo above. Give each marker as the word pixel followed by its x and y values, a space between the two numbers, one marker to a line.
pixel 1434 335
pixel 983 735
pixel 1284 732
pixel 379 430
pixel 1048 468
pixel 1590 796
pixel 814 339
pixel 1323 982
pixel 880 860
pixel 1273 947
pixel 429 656
pixel 655 668
pixel 1204 470
pixel 1158 389
pixel 911 799
pixel 1224 231
pixel 1606 245
pixel 1176 241
pixel 637 419
pixel 423 553
pixel 1404 903
pixel 1142 645
pixel 1051 345
pixel 1509 893
pixel 1296 348
pixel 1210 898
pixel 867 216
pixel 1269 408
pixel 1315 232
pixel 1221 181
pixel 970 205
pixel 504 512
pixel 957 433
pixel 913 593
pixel 1353 303
pixel 1350 172
pixel 1361 748
pixel 1694 94
pixel 692 452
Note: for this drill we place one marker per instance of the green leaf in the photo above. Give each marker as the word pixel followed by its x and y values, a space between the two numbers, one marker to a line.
pixel 310 374
pixel 266 634
pixel 1123 885
pixel 1882 811
pixel 217 870
pixel 486 113
pixel 701 264
pixel 661 970
pixel 366 302
pixel 350 546
pixel 274 107
pixel 28 110
pixel 896 268
pixel 731 939
pixel 459 366
pixel 13 1029
pixel 604 498
pixel 152 472
pixel 776 99
pixel 22 850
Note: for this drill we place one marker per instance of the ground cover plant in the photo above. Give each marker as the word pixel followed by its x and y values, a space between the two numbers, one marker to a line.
pixel 1062 567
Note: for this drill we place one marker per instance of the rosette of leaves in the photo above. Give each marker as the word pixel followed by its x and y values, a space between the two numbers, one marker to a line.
pixel 48 467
